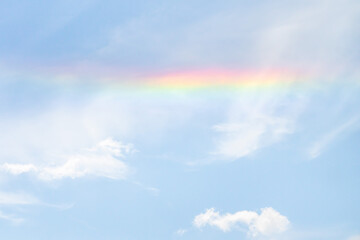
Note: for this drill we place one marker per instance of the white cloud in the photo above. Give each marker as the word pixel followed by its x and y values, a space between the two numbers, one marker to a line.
pixel 102 161
pixel 42 136
pixel 318 147
pixel 47 134
pixel 17 169
pixel 267 223
pixel 254 123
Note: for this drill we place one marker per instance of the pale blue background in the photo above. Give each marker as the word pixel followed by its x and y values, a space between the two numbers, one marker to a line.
pixel 319 196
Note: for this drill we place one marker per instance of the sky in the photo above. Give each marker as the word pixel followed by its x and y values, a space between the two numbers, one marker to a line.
pixel 186 120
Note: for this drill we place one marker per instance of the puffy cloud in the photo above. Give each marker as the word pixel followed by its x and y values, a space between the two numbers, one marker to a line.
pixel 102 161
pixel 268 222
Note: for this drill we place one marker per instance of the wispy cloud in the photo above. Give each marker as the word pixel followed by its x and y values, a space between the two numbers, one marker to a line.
pixel 276 34
pixel 11 218
pixel 254 123
pixel 181 231
pixel 321 144
pixel 153 190
pixel 103 160
pixel 267 223
pixel 7 198
pixel 10 199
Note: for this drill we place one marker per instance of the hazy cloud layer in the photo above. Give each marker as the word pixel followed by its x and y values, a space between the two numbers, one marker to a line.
pixel 355 237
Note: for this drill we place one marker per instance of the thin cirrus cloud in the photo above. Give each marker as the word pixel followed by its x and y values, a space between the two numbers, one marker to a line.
pixel 269 222
pixel 11 218
pixel 286 34
pixel 9 199
pixel 12 200
pixel 254 123
pixel 321 144
pixel 103 160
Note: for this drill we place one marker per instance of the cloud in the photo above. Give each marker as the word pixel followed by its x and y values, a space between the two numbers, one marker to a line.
pixel 267 223
pixel 275 34
pixel 70 125
pixel 318 147
pixel 17 169
pixel 101 161
pixel 254 123
pixel 11 218
pixel 299 35
pixel 181 232
pixel 10 199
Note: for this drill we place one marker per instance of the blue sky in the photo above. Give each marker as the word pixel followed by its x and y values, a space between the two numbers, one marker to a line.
pixel 83 157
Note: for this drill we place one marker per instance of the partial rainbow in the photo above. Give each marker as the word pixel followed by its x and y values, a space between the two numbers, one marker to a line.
pixel 221 80
pixel 191 80
pixel 205 81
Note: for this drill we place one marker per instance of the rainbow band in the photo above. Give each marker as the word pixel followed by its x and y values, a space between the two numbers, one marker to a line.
pixel 200 81
pixel 204 81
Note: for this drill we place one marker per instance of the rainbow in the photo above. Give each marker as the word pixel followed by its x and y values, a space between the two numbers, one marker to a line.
pixel 204 82
pixel 197 82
